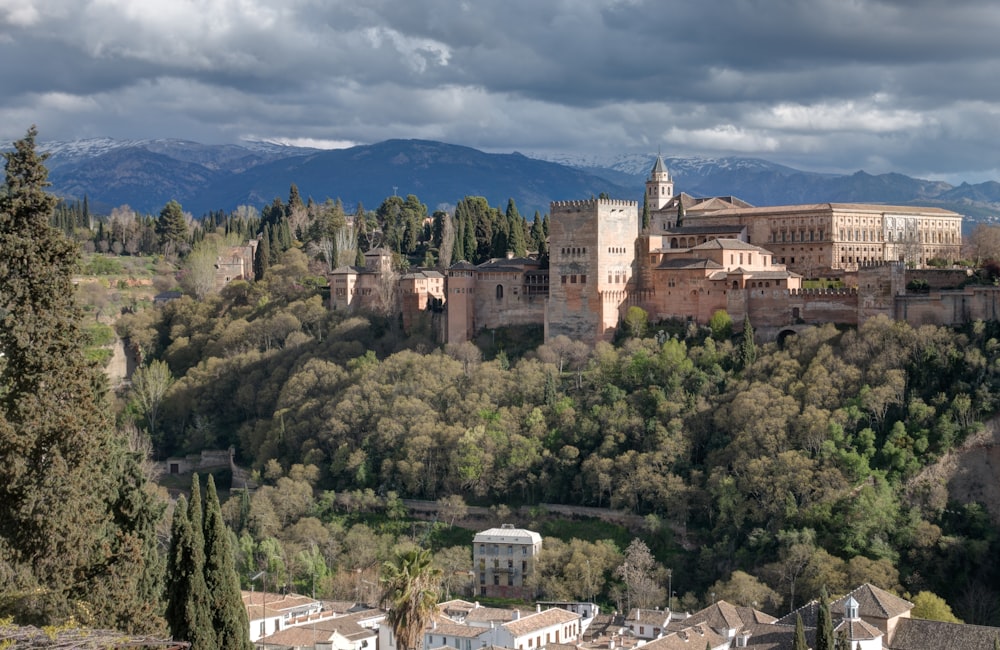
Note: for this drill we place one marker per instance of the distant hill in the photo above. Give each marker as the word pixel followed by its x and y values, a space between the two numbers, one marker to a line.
pixel 145 174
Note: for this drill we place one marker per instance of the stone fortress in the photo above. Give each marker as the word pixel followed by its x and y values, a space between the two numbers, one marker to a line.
pixel 696 256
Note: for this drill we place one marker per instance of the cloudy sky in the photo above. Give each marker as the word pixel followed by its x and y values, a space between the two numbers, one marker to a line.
pixel 826 85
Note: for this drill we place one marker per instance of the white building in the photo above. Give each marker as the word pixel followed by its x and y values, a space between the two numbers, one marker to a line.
pixel 503 559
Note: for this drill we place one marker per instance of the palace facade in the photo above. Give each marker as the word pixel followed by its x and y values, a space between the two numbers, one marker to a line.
pixel 697 256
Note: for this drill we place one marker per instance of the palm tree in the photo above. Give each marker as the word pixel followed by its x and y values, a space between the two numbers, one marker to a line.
pixel 410 586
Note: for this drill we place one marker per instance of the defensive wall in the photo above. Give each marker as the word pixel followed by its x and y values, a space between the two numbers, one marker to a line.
pixel 949 307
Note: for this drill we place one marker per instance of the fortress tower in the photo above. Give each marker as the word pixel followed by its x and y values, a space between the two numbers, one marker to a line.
pixel 659 185
pixel 591 262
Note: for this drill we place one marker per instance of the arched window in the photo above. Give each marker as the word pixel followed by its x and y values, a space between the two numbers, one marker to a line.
pixel 499 292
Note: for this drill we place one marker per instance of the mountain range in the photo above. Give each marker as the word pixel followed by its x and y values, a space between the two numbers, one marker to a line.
pixel 146 174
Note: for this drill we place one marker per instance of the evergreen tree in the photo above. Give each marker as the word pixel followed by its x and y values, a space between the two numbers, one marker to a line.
pixel 645 213
pixel 748 347
pixel 515 237
pixel 229 616
pixel 262 260
pixel 294 200
pixel 72 524
pixel 824 624
pixel 800 634
pixel 187 596
pixel 171 227
pixel 680 212
pixel 537 233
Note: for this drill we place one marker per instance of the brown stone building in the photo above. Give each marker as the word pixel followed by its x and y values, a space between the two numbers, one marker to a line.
pixel 814 239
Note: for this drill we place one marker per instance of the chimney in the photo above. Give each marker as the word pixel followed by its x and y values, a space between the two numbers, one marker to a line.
pixel 538 607
pixel 517 614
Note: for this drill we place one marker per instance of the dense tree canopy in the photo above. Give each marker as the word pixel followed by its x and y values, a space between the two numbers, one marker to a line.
pixel 76 522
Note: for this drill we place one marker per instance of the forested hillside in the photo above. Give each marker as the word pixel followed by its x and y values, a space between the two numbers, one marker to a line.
pixel 793 465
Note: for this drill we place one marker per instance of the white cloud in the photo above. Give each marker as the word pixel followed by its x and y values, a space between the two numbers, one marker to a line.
pixel 18 13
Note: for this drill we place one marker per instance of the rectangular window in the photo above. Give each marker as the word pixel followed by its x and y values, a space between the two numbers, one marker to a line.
pixel 583 279
pixel 572 279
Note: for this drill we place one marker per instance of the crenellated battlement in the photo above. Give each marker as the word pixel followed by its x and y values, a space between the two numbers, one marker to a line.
pixel 846 291
pixel 590 203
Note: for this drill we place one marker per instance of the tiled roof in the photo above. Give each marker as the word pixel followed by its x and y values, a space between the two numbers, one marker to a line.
pixel 720 615
pixel 724 243
pixel 459 630
pixel 506 536
pixel 830 207
pixel 297 636
pixel 657 616
pixel 916 634
pixel 857 630
pixel 873 603
pixel 486 614
pixel 688 263
pixel 276 604
pixel 768 275
pixel 702 230
pixel 692 636
pixel 540 621
pixel 456 605
pixel 776 637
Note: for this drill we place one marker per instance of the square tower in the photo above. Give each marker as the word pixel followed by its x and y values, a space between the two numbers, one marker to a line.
pixel 591 261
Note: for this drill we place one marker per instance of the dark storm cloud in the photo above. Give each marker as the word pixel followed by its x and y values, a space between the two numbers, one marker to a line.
pixel 825 84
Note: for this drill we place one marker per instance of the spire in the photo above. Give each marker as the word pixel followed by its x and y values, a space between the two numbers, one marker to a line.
pixel 659 167
pixel 659 186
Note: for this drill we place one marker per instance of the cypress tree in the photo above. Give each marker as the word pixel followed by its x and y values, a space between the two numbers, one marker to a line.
pixel 824 624
pixel 748 347
pixel 187 596
pixel 515 237
pixel 229 616
pixel 262 260
pixel 800 635
pixel 645 213
pixel 70 539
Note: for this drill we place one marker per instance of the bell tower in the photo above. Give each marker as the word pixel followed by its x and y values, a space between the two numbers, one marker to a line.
pixel 659 185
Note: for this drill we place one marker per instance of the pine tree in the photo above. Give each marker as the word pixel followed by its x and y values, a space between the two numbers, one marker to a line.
pixel 824 624
pixel 171 226
pixel 800 634
pixel 187 595
pixel 72 537
pixel 229 616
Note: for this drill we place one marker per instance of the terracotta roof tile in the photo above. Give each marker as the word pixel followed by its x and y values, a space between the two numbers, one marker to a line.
pixel 916 634
pixel 540 620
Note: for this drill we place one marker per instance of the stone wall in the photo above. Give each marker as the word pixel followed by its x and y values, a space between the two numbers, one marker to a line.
pixel 949 307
